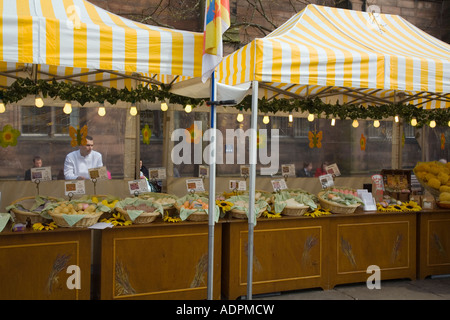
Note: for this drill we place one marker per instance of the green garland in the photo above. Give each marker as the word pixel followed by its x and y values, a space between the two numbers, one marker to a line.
pixel 83 94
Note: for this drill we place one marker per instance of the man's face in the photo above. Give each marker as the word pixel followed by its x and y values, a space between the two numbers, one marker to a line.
pixel 38 163
pixel 87 148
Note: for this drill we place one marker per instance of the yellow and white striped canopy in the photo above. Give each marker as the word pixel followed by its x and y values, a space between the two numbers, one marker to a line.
pixel 74 40
pixel 345 55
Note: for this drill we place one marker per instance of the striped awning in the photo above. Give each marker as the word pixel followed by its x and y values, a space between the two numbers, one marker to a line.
pixel 345 55
pixel 74 40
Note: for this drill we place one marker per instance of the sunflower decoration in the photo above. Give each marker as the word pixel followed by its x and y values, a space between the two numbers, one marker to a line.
pixel 8 136
pixel 117 219
pixel 390 208
pixel 362 142
pixel 39 226
pixel 223 205
pixel 318 212
pixel 271 215
pixel 146 134
pixel 168 218
pixel 193 134
pixel 78 135
pixel 411 206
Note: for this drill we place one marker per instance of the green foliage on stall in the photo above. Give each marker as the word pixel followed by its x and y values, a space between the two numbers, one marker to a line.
pixel 83 94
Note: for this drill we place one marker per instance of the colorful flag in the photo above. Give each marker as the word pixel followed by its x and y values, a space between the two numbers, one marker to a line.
pixel 217 21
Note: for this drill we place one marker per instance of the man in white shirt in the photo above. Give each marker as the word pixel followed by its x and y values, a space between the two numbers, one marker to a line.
pixel 78 163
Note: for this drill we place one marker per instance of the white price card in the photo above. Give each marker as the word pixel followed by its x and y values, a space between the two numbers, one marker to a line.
pixel 157 173
pixel 288 170
pixel 138 186
pixel 99 173
pixel 194 185
pixel 238 185
pixel 203 171
pixel 279 184
pixel 245 171
pixel 74 187
pixel 333 170
pixel 41 174
pixel 326 181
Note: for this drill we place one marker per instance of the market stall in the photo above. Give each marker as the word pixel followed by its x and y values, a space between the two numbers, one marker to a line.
pixel 324 55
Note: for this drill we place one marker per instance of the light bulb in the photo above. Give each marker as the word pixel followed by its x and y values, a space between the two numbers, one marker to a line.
pixel 447 123
pixel 164 106
pixel 396 119
pixel 291 117
pixel 266 119
pixel 333 122
pixel 355 123
pixel 67 108
pixel 310 117
pixel 38 102
pixel 432 124
pixel 188 108
pixel 3 109
pixel 414 122
pixel 101 111
pixel 133 110
pixel 376 123
pixel 240 117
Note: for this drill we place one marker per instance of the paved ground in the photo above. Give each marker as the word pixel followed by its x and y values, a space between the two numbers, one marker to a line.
pixel 435 288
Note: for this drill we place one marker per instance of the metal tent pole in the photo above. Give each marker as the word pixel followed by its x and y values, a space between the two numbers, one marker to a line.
pixel 251 206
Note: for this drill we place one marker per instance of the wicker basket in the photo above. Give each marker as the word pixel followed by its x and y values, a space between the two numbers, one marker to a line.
pixel 87 221
pixel 21 216
pixel 240 214
pixel 443 205
pixel 199 215
pixel 294 211
pixel 143 218
pixel 336 207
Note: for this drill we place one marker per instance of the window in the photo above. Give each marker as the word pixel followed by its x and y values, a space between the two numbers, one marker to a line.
pixel 47 120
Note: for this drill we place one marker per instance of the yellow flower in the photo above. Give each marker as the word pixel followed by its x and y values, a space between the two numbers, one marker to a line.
pixel 271 215
pixel 8 136
pixel 168 218
pixel 118 220
pixel 318 212
pixel 38 226
pixel 224 205
pixel 411 206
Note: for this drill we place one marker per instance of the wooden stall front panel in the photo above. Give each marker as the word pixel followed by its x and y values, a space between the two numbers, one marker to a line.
pixel 159 261
pixel 434 243
pixel 387 241
pixel 37 265
pixel 288 255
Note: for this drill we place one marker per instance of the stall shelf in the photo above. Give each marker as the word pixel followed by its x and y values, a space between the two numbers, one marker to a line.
pixel 292 253
pixel 158 260
pixel 434 243
pixel 45 265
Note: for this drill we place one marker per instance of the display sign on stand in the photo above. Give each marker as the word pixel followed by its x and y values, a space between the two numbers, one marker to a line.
pixel 194 185
pixel 138 186
pixel 203 171
pixel 333 170
pixel 157 173
pixel 326 181
pixel 377 187
pixel 74 187
pixel 368 200
pixel 245 171
pixel 40 174
pixel 278 185
pixel 237 185
pixel 288 170
pixel 98 174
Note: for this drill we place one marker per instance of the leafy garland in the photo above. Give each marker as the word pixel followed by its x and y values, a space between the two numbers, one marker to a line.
pixel 83 94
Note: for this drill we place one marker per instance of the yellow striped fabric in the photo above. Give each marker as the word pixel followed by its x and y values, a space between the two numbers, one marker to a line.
pixel 68 36
pixel 335 48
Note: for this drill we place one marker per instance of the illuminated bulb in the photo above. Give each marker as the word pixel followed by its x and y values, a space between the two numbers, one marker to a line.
pixel 133 110
pixel 266 120
pixel 432 124
pixel 240 117
pixel 414 122
pixel 188 108
pixel 310 117
pixel 355 123
pixel 101 111
pixel 376 123
pixel 3 109
pixel 38 102
pixel 291 117
pixel 333 122
pixel 396 119
pixel 447 123
pixel 67 108
pixel 164 106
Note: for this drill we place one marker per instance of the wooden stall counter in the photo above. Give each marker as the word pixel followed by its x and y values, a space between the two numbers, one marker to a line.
pixel 41 265
pixel 434 242
pixel 159 260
